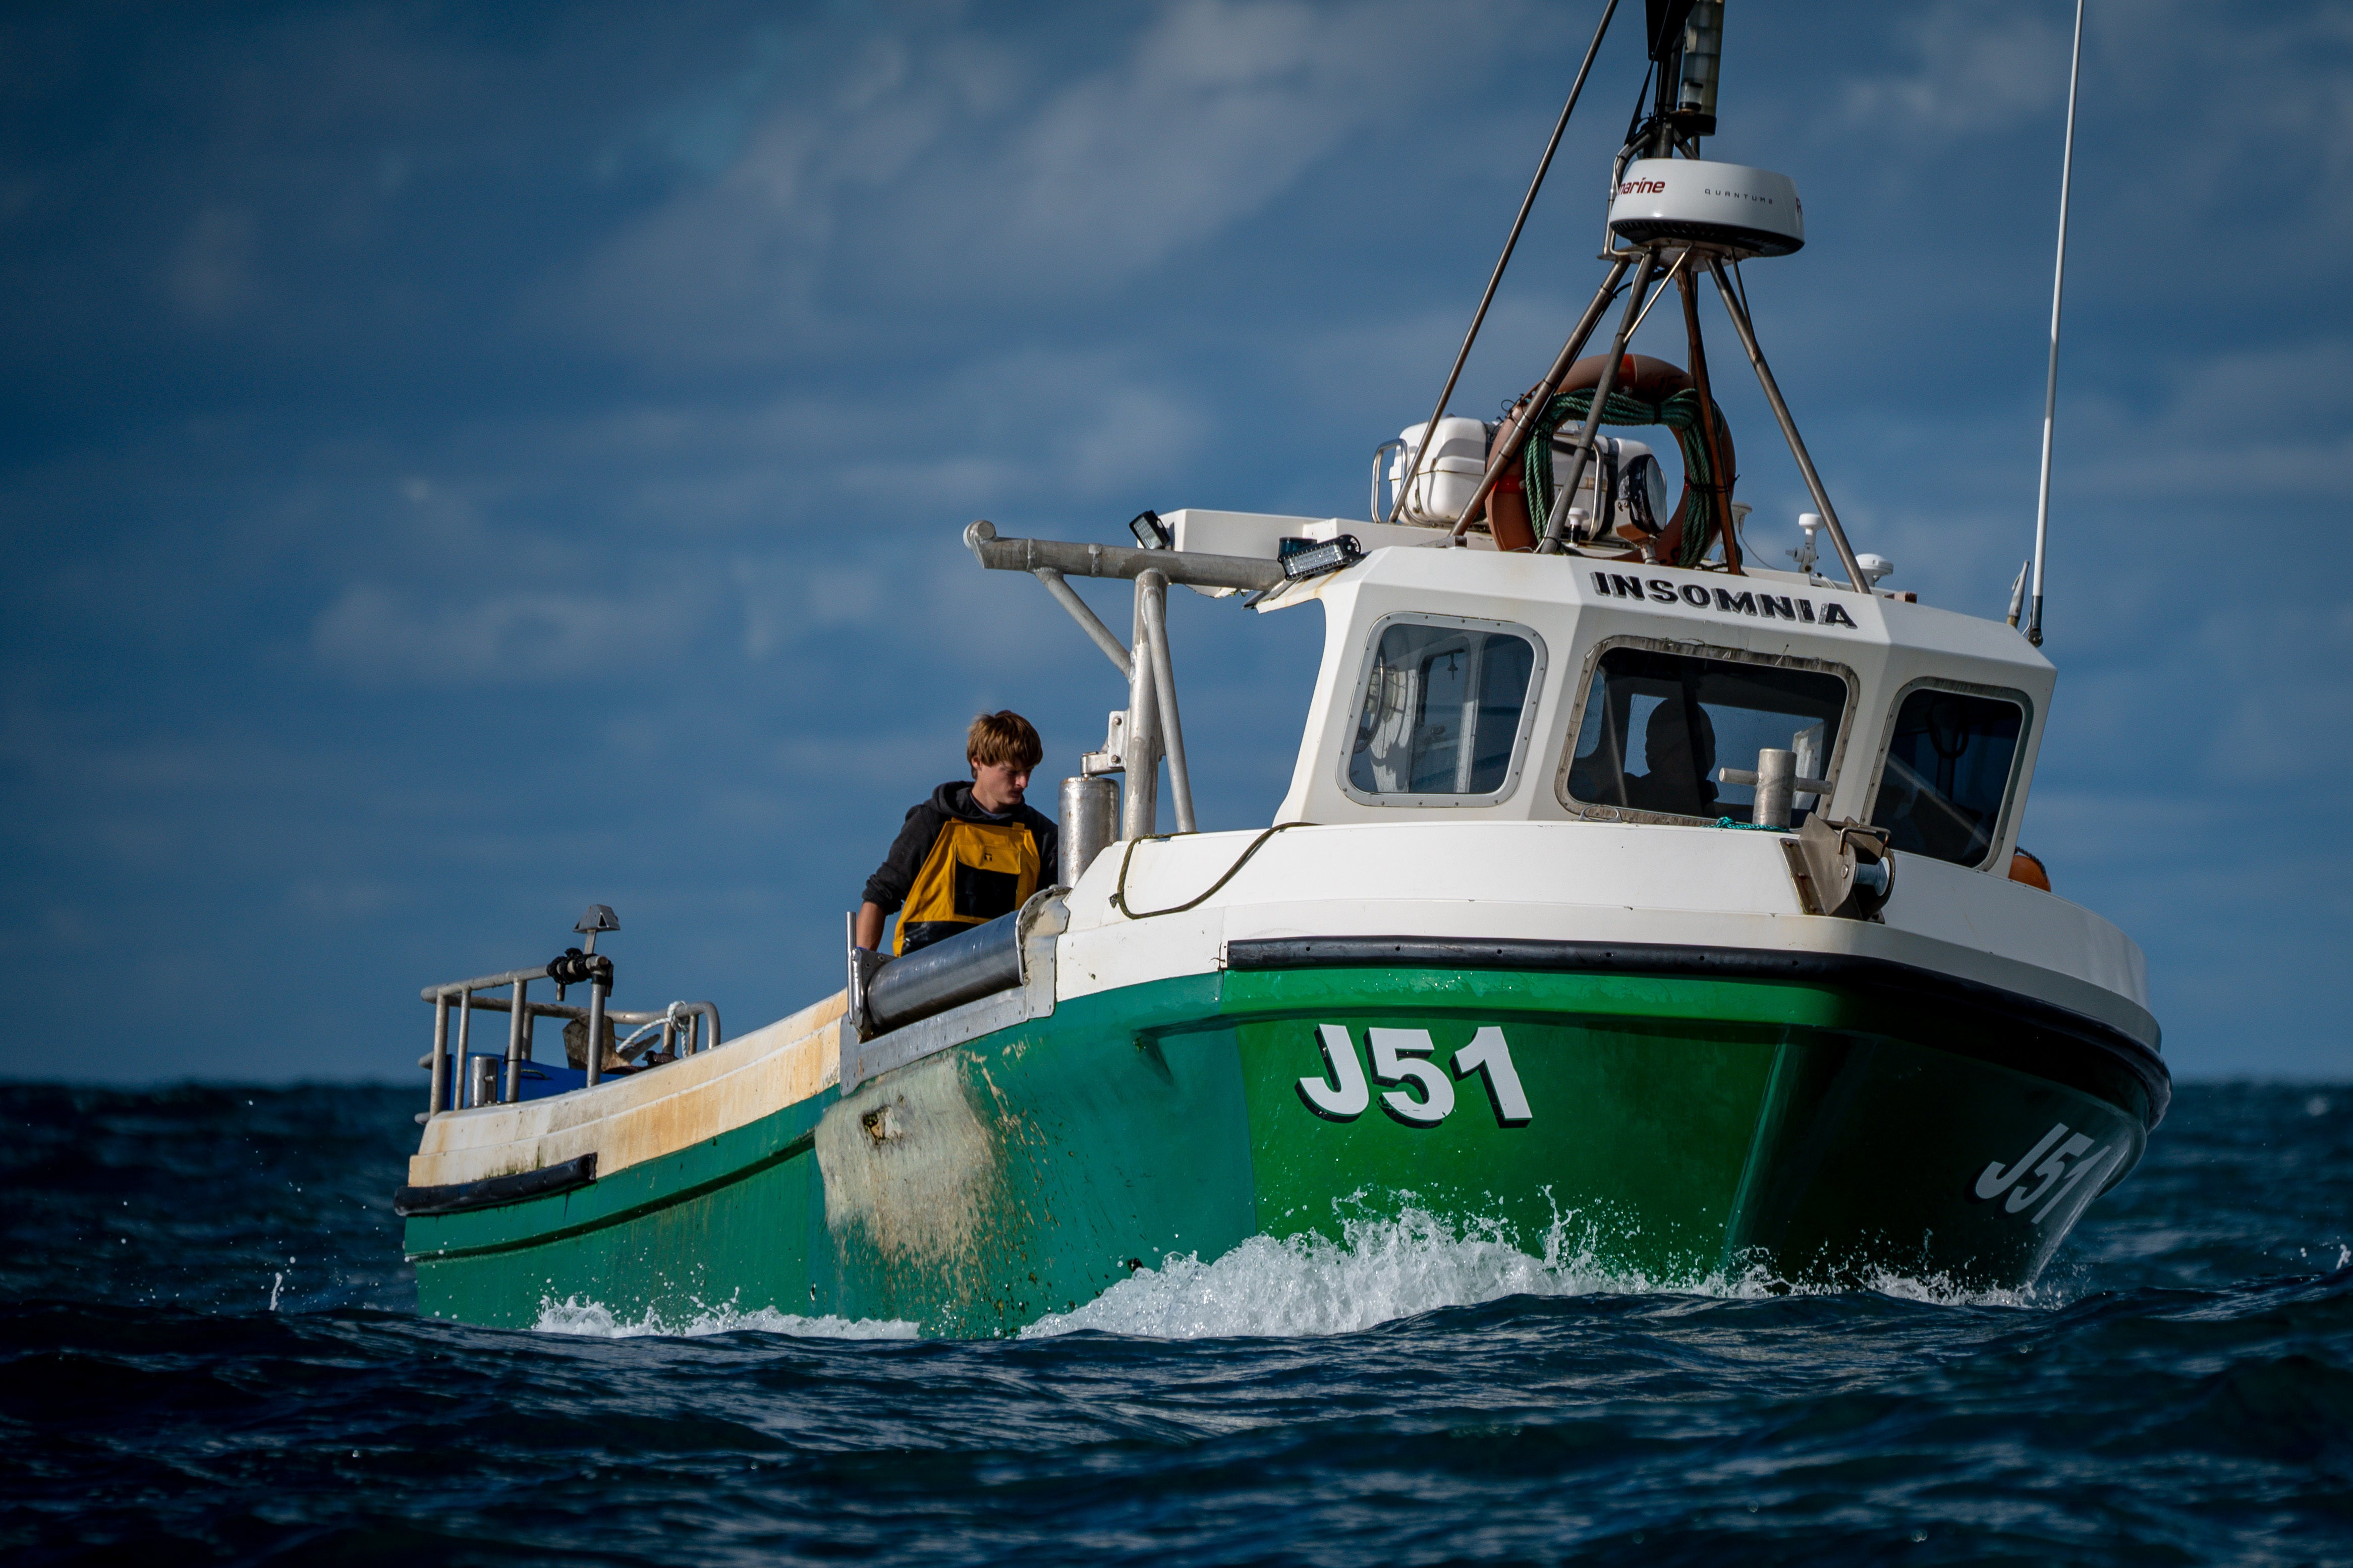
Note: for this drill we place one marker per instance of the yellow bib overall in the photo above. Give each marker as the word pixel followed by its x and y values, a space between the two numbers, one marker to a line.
pixel 975 872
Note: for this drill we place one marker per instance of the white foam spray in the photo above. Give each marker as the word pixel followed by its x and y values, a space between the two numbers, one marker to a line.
pixel 593 1320
pixel 1382 1270
pixel 1382 1267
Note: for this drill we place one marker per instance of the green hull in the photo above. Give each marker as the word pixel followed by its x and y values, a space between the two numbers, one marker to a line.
pixel 1678 1128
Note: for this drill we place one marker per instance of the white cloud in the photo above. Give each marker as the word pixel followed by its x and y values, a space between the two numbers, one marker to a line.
pixel 1978 66
pixel 387 639
pixel 789 598
pixel 2111 828
pixel 345 900
pixel 939 166
pixel 2286 672
pixel 1037 426
pixel 210 275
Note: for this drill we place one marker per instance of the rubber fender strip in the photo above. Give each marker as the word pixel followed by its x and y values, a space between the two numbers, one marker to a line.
pixel 669 1199
pixel 1853 970
pixel 493 1191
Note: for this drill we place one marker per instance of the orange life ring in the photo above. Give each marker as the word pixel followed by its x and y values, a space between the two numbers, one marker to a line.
pixel 1640 376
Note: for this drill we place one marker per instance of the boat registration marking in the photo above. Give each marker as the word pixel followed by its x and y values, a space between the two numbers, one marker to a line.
pixel 2060 1158
pixel 1344 1091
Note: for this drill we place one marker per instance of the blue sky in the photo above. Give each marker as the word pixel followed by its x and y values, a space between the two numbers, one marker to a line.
pixel 460 463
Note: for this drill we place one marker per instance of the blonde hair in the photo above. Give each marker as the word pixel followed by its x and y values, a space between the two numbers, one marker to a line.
pixel 1003 736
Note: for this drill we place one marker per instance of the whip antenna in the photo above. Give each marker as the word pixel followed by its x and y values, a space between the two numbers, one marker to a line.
pixel 2050 379
pixel 1412 465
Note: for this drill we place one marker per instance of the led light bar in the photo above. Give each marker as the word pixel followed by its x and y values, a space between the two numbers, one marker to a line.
pixel 1306 558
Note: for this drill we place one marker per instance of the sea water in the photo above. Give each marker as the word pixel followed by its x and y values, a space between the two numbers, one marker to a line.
pixel 209 1354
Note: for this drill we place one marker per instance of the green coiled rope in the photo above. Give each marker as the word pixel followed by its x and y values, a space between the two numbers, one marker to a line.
pixel 1679 413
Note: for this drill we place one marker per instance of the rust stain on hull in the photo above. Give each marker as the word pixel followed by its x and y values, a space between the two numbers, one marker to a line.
pixel 909 1168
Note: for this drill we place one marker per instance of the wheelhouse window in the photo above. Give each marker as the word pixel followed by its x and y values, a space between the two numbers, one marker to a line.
pixel 1658 727
pixel 1444 709
pixel 1950 759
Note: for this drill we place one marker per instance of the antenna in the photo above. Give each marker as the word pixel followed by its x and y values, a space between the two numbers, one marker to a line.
pixel 2050 379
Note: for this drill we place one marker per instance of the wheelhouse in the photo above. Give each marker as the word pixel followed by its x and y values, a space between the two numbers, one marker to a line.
pixel 1465 681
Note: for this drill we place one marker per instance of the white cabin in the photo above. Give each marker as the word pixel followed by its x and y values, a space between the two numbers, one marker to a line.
pixel 1467 684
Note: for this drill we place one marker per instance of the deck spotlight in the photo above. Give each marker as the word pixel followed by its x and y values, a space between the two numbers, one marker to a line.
pixel 1149 531
pixel 1306 558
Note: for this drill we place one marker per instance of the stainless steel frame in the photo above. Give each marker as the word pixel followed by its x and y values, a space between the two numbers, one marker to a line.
pixel 1198 571
pixel 1152 598
pixel 699 1029
pixel 1741 324
pixel 1501 459
pixel 1154 728
pixel 1549 542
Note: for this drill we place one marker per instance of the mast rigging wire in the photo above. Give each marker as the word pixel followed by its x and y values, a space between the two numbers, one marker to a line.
pixel 2050 378
pixel 1412 468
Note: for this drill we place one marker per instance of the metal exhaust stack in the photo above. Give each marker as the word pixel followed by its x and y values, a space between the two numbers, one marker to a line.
pixel 1090 825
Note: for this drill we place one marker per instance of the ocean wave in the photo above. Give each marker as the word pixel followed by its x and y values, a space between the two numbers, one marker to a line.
pixel 2201 1354
pixel 593 1320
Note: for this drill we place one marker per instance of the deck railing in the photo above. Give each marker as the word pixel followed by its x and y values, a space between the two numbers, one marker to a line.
pixel 686 1027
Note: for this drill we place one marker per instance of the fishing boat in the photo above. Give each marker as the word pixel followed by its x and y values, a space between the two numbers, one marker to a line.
pixel 1627 890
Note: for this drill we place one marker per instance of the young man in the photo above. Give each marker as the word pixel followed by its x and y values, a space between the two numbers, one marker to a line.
pixel 971 852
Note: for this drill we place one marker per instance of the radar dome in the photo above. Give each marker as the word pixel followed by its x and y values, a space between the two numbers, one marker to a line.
pixel 1749 212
